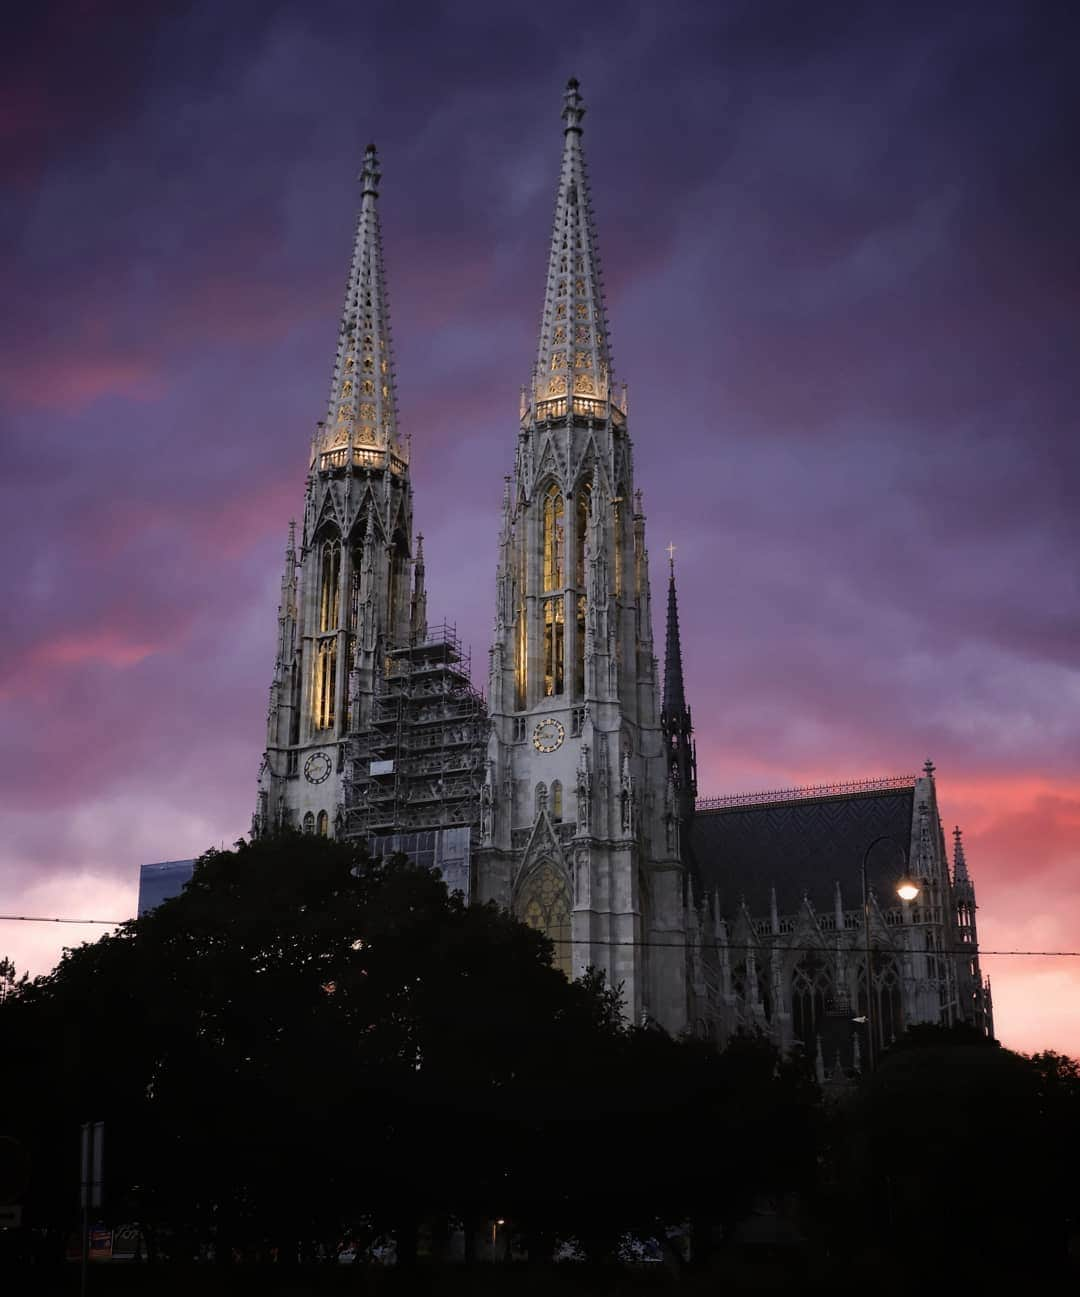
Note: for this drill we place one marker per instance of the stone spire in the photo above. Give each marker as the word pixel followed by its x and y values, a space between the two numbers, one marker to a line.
pixel 573 359
pixel 675 720
pixel 363 400
pixel 960 869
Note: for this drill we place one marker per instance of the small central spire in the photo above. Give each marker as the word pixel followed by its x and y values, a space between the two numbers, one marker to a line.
pixel 675 719
pixel 573 358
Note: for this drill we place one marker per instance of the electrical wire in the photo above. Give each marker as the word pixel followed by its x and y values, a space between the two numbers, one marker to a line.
pixel 599 941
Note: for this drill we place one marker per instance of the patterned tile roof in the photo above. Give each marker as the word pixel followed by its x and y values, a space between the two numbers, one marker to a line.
pixel 804 844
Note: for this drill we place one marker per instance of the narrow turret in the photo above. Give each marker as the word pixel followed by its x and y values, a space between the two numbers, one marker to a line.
pixel 675 719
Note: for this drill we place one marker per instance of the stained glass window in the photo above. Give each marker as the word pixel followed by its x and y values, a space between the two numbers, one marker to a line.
pixel 544 904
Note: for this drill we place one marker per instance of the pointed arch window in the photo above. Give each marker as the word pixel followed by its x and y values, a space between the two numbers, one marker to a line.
pixel 325 684
pixel 554 647
pixel 544 904
pixel 888 1001
pixel 811 992
pixel 556 800
pixel 322 825
pixel 554 538
pixel 330 585
pixel 309 823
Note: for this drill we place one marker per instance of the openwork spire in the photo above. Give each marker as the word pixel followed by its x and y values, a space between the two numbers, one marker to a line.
pixel 674 692
pixel 573 360
pixel 363 399
pixel 675 720
pixel 960 869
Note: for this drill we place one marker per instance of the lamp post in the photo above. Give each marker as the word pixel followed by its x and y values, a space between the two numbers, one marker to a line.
pixel 907 889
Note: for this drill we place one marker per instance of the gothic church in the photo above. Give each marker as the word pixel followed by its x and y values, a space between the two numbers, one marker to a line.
pixel 569 795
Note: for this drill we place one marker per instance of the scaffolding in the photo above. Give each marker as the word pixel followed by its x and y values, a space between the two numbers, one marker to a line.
pixel 419 765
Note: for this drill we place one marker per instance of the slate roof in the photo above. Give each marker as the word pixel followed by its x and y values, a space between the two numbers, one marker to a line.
pixel 805 844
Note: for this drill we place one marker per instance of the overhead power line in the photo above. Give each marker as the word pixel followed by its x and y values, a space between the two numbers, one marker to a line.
pixel 597 941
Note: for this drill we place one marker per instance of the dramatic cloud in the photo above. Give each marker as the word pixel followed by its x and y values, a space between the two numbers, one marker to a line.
pixel 839 252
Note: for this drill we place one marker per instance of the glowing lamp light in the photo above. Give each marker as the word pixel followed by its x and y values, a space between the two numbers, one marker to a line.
pixel 907 889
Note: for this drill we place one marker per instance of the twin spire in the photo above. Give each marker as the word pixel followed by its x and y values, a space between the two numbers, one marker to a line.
pixel 363 399
pixel 573 359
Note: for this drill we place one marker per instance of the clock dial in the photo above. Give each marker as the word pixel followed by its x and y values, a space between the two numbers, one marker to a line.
pixel 548 735
pixel 317 767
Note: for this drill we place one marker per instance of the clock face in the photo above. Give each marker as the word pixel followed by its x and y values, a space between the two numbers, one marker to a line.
pixel 317 767
pixel 548 735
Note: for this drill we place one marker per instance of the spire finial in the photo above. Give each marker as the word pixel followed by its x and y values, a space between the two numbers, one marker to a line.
pixel 370 175
pixel 929 768
pixel 671 558
pixel 573 106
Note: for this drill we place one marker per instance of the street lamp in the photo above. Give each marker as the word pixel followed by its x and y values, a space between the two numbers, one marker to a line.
pixel 907 889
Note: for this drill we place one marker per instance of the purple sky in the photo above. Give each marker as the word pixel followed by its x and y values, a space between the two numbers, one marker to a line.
pixel 841 259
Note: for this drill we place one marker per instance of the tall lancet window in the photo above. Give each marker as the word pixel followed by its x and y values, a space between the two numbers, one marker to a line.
pixel 581 527
pixel 619 538
pixel 324 681
pixel 330 586
pixel 554 646
pixel 554 579
pixel 521 646
pixel 554 539
pixel 325 684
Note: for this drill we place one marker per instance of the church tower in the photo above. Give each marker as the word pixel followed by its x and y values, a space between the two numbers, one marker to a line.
pixel 346 594
pixel 578 822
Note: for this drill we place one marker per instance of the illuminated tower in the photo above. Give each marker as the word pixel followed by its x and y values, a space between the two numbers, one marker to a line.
pixel 578 823
pixel 346 593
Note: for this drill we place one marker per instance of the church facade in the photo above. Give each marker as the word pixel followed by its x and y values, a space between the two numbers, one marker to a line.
pixel 569 794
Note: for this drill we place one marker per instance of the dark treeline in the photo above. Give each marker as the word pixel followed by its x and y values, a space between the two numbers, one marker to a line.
pixel 312 1053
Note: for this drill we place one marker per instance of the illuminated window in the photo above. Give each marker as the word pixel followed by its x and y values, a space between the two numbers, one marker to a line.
pixel 367 387
pixel 560 310
pixel 554 539
pixel 579 287
pixel 309 823
pixel 618 547
pixel 346 387
pixel 553 646
pixel 330 585
pixel 544 904
pixel 556 800
pixel 579 650
pixel 559 335
pixel 323 825
pixel 325 684
pixel 350 362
